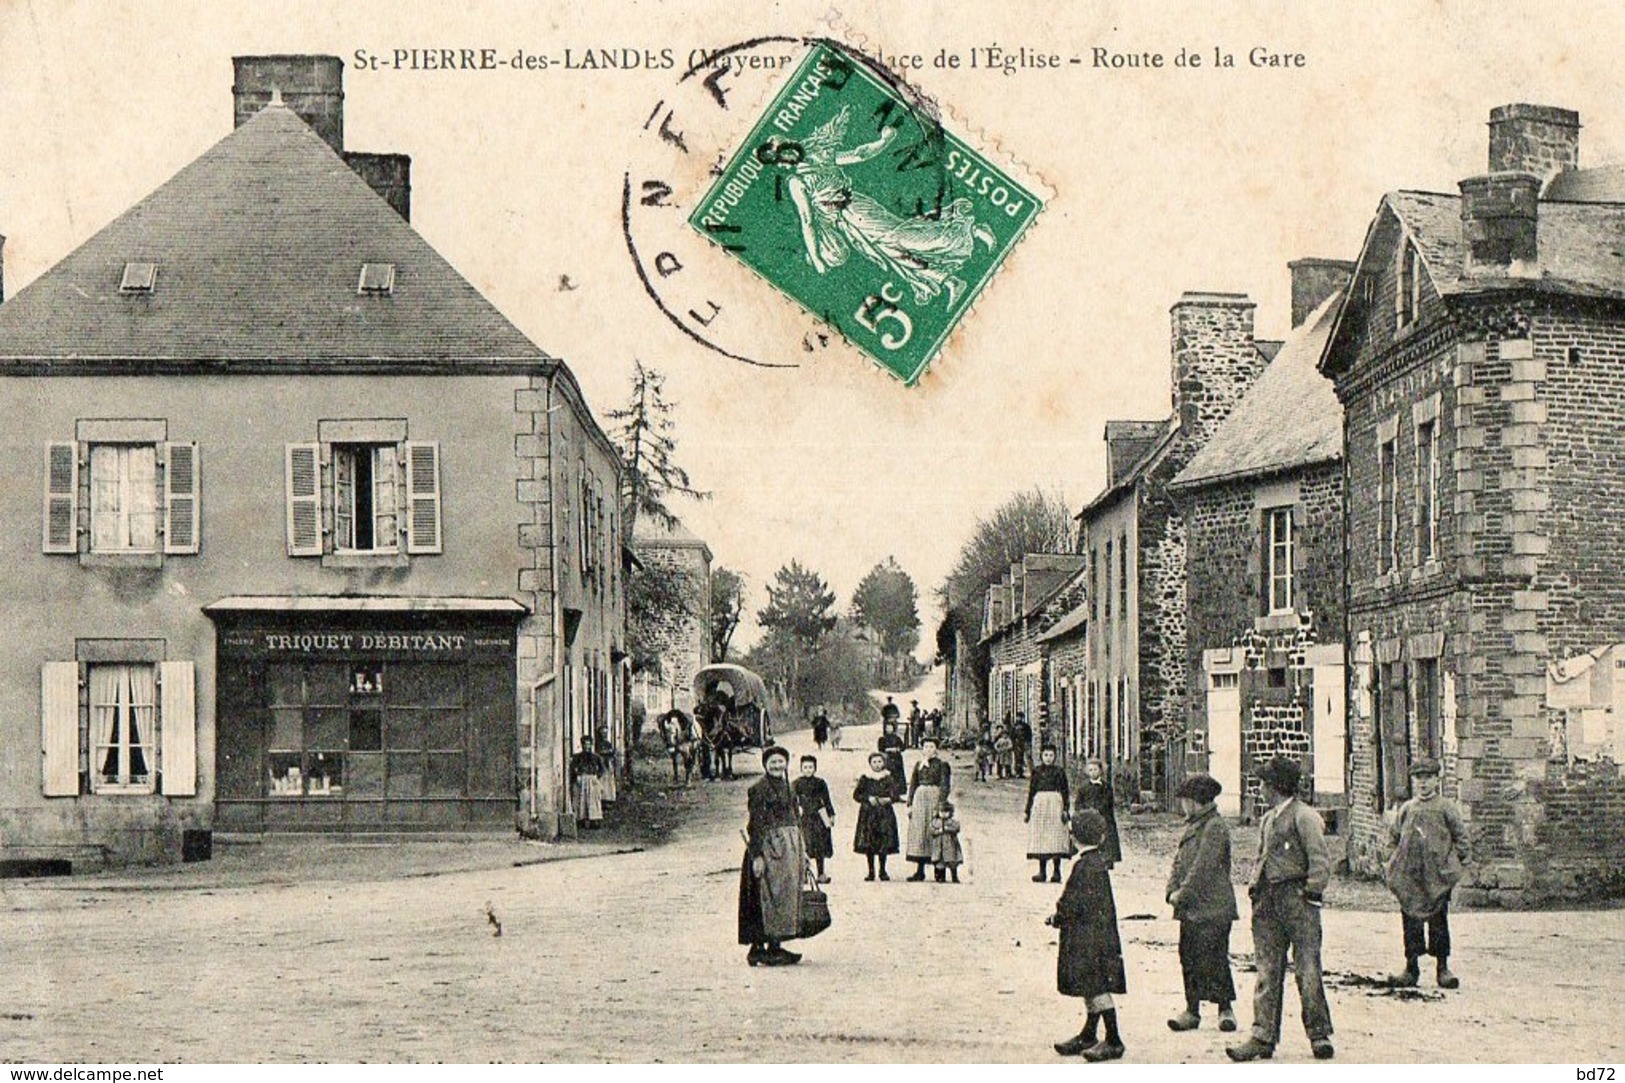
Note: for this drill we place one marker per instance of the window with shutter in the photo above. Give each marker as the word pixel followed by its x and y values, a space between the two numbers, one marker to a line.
pixel 423 520
pixel 61 498
pixel 181 497
pixel 59 728
pixel 304 497
pixel 123 728
pixel 177 723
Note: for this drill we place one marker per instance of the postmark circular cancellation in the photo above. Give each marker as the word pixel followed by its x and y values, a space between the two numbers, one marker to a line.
pixel 791 196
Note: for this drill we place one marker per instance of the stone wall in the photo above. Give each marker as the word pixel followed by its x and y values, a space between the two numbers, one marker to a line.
pixel 683 639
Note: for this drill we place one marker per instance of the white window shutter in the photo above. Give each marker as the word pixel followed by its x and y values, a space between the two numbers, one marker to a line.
pixel 181 495
pixel 177 728
pixel 423 525
pixel 61 497
pixel 59 728
pixel 304 489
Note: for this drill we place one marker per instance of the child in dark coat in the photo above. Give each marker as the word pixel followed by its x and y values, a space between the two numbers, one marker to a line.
pixel 876 793
pixel 1204 903
pixel 817 814
pixel 1089 963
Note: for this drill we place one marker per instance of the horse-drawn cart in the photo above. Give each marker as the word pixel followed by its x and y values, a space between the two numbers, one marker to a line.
pixel 731 704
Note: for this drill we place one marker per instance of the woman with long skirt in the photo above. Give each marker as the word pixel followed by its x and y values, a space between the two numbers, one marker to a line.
pixel 1047 813
pixel 927 790
pixel 775 861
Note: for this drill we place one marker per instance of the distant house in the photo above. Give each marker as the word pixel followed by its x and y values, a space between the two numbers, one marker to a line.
pixel 1037 591
pixel 1480 360
pixel 1262 503
pixel 303 534
pixel 683 643
pixel 1134 537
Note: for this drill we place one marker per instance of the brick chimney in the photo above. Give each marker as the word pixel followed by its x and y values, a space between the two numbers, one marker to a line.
pixel 1314 280
pixel 1541 140
pixel 1214 358
pixel 1499 220
pixel 313 87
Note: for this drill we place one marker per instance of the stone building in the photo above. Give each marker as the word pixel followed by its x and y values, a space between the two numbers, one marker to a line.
pixel 1263 508
pixel 1134 537
pixel 1036 593
pixel 1479 362
pixel 683 640
pixel 304 535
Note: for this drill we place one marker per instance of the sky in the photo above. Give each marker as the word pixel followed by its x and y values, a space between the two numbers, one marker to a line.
pixel 1158 180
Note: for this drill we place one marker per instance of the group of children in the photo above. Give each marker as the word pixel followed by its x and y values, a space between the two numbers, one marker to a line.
pixel 1290 876
pixel 877 836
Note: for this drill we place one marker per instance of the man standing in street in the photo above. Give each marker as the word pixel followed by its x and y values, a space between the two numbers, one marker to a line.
pixel 1289 882
pixel 1023 737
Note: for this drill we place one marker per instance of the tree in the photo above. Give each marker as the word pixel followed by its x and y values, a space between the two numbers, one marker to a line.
pixel 727 607
pixel 886 600
pixel 657 595
pixel 644 435
pixel 799 612
pixel 1028 522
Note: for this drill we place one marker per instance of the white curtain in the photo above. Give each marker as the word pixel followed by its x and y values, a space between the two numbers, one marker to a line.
pixel 123 705
pixel 124 497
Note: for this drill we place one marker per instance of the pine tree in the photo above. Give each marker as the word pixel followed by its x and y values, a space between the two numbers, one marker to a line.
pixel 644 434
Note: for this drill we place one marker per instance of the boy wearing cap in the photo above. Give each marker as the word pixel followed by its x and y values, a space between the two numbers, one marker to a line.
pixel 1430 845
pixel 1204 903
pixel 1293 869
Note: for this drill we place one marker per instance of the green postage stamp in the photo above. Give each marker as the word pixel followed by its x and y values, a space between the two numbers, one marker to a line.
pixel 861 208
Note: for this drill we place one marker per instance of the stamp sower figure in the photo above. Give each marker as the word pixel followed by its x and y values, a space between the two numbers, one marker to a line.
pixel 1089 961
pixel 1204 903
pixel 817 814
pixel 1046 816
pixel 1430 845
pixel 837 219
pixel 1293 870
pixel 770 877
pixel 927 789
pixel 946 852
pixel 1095 791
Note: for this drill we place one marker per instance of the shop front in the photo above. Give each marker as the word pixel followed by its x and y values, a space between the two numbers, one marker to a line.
pixel 354 719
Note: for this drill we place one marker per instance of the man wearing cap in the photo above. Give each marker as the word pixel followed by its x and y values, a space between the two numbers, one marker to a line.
pixel 1430 844
pixel 1204 904
pixel 1288 885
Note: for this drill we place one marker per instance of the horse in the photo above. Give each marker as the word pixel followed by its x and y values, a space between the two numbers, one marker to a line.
pixel 681 735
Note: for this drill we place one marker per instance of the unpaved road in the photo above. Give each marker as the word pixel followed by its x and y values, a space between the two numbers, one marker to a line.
pixel 632 957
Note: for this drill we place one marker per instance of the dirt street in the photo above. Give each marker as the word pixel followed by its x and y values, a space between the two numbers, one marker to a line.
pixel 631 957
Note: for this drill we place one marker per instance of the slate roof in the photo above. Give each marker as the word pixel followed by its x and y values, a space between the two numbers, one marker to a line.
pixel 1290 417
pixel 1068 624
pixel 1580 246
pixel 259 245
pixel 649 530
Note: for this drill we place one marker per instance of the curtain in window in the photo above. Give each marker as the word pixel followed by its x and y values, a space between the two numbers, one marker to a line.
pixel 123 497
pixel 385 532
pixel 122 710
